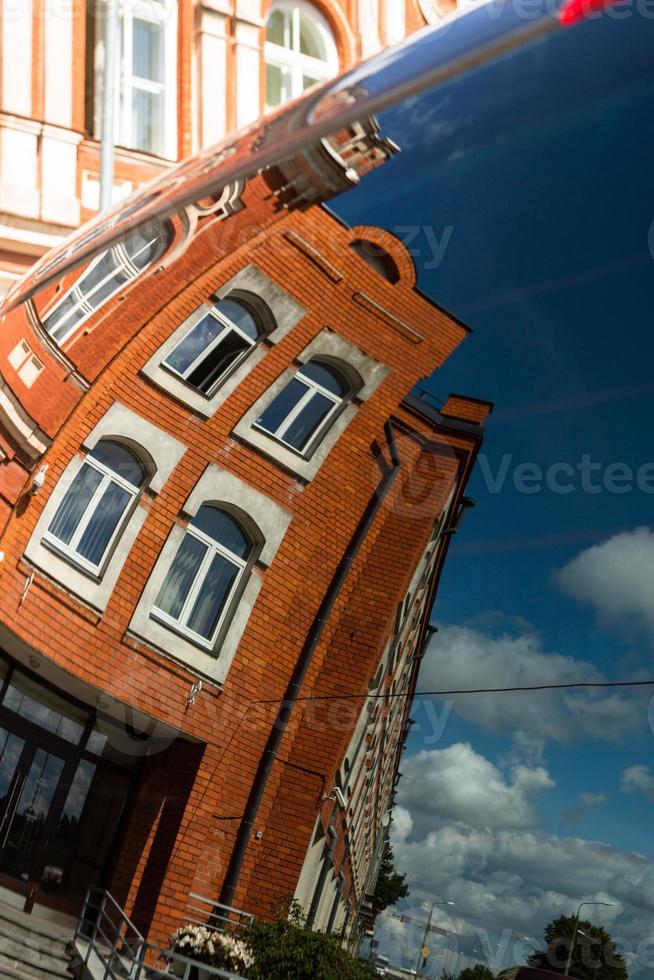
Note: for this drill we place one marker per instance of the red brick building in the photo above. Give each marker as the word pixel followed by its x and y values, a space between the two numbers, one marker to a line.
pixel 223 520
pixel 190 72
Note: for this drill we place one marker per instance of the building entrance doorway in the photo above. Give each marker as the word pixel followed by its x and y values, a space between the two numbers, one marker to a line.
pixel 65 784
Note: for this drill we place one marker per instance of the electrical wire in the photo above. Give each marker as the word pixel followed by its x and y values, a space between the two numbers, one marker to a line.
pixel 572 685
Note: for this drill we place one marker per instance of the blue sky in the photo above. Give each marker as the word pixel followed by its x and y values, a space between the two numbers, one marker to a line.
pixel 541 167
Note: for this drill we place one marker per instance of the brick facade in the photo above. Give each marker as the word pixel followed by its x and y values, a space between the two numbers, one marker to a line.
pixel 206 745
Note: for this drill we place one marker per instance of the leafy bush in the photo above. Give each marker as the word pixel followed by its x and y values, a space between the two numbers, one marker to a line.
pixel 285 949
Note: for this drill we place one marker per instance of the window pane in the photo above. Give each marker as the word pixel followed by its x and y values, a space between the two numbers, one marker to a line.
pixel 103 523
pixel 278 85
pixel 218 360
pixel 222 528
pixel 103 280
pixel 11 747
pixel 308 81
pixel 239 314
pixel 280 407
pixel 75 502
pixel 275 32
pixel 311 42
pixel 61 320
pixel 327 377
pixel 147 47
pixel 175 590
pixel 196 340
pixel 147 121
pixel 45 708
pixel 120 460
pixel 308 421
pixel 212 596
pixel 148 242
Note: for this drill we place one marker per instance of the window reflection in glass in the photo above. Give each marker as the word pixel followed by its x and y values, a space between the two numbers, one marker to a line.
pixel 203 576
pixel 31 700
pixel 106 274
pixel 91 513
pixel 302 409
pixel 215 345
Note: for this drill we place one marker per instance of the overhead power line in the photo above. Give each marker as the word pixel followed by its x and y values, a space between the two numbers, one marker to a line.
pixel 464 690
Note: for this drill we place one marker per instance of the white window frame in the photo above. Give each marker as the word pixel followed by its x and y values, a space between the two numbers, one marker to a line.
pixel 108 476
pixel 162 13
pixel 265 523
pixel 313 388
pixel 228 326
pixel 291 59
pixel 213 548
pixel 277 305
pixel 330 347
pixel 124 263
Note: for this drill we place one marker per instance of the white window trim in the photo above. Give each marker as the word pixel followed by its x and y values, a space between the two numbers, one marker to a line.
pixel 313 388
pixel 125 264
pixel 291 59
pixel 328 346
pixel 159 454
pixel 266 522
pixel 179 625
pixel 70 550
pixel 286 313
pixel 228 327
pixel 165 14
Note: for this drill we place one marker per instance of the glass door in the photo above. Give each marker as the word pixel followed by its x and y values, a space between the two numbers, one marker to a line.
pixel 35 779
pixel 11 750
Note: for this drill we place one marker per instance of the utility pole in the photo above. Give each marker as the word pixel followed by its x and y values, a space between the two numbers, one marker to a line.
pixel 108 102
pixel 568 965
pixel 421 956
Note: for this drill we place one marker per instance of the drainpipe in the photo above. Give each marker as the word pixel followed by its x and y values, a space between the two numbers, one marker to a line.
pixel 109 83
pixel 287 706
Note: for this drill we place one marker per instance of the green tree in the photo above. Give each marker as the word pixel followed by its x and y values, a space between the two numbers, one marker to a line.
pixel 285 948
pixel 476 972
pixel 391 885
pixel 595 955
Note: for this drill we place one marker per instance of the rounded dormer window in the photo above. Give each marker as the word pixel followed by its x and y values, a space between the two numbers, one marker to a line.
pixel 377 258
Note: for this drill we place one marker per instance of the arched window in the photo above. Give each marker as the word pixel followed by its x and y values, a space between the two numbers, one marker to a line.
pixel 216 344
pixel 106 274
pixel 93 509
pixel 377 258
pixel 306 406
pixel 204 576
pixel 300 51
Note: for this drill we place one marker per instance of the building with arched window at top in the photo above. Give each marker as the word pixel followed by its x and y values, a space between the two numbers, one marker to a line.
pixel 190 72
pixel 223 516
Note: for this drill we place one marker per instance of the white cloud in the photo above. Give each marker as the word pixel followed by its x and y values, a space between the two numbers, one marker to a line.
pixel 507 878
pixel 457 784
pixel 461 657
pixel 638 778
pixel 615 577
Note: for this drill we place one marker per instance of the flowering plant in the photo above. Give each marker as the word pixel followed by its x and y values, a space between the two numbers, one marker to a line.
pixel 213 948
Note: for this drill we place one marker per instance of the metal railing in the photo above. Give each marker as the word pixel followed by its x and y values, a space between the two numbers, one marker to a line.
pixel 206 912
pixel 124 954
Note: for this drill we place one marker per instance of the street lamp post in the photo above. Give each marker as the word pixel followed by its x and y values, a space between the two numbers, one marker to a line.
pixel 576 930
pixel 423 945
